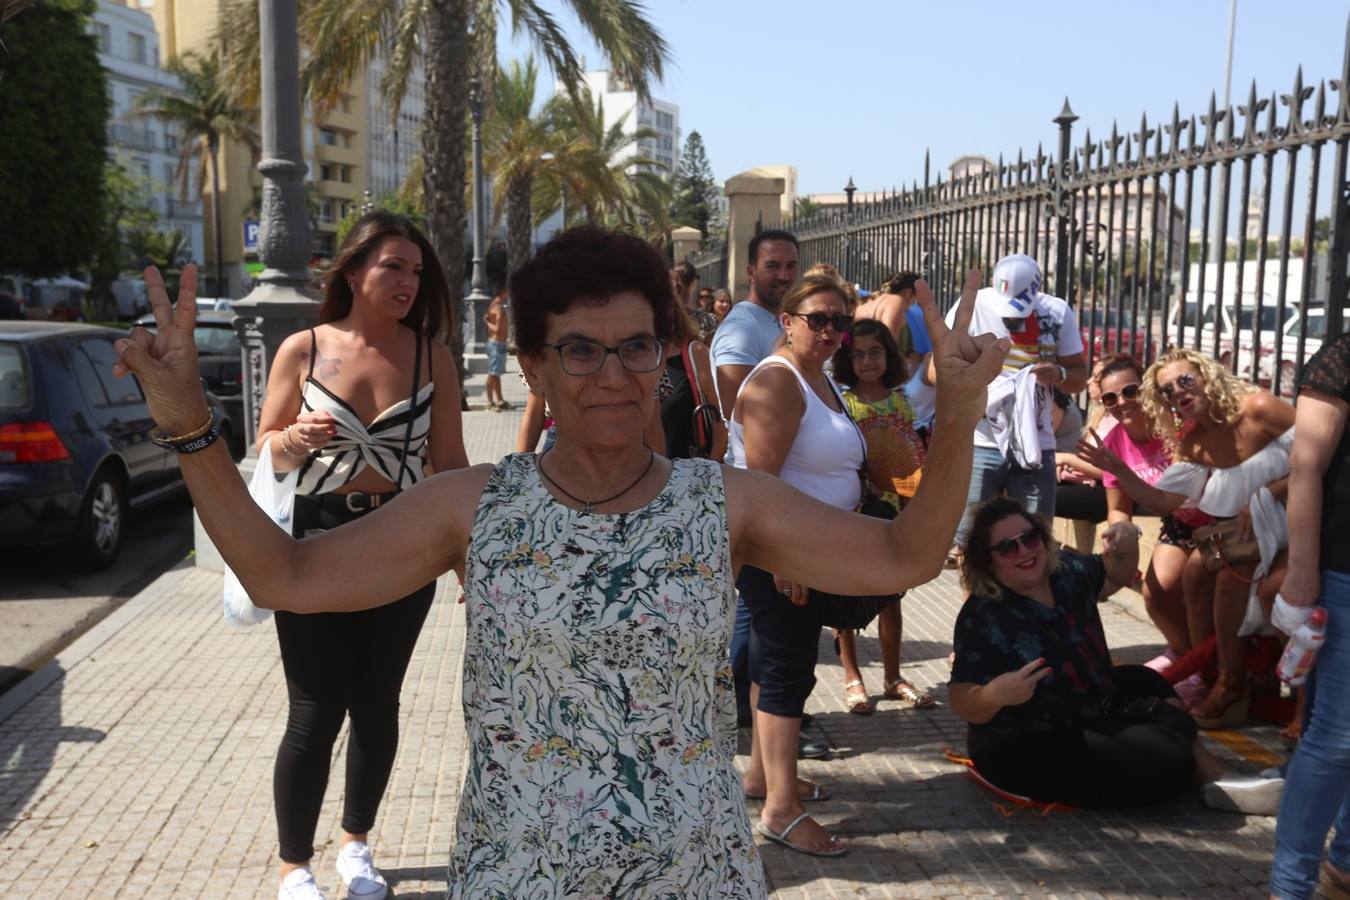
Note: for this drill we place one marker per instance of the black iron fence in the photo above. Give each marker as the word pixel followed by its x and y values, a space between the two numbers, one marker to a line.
pixel 1229 234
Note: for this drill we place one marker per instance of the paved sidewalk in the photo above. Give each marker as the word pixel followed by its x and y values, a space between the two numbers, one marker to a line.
pixel 139 765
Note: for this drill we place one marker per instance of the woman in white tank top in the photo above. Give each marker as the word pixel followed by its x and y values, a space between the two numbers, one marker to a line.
pixel 790 421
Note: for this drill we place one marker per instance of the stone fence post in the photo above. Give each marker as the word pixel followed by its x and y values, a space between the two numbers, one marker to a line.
pixel 686 241
pixel 754 201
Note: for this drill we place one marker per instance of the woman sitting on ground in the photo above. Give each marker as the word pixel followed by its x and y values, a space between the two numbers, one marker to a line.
pixel 870 362
pixel 1051 717
pixel 1132 458
pixel 1230 446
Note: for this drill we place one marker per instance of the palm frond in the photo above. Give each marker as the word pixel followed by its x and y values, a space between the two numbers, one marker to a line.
pixel 404 50
pixel 637 52
pixel 548 38
pixel 343 37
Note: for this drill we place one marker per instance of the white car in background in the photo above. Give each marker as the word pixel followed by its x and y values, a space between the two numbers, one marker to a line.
pixel 1316 333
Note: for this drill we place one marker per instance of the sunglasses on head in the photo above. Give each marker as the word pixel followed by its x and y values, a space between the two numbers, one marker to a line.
pixel 1128 392
pixel 1185 382
pixel 817 321
pixel 1007 548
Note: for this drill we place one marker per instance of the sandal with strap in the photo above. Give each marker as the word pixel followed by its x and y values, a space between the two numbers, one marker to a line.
pixel 900 689
pixel 781 837
pixel 858 703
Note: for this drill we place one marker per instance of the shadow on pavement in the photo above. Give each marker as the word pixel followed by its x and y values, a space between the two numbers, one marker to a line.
pixel 29 741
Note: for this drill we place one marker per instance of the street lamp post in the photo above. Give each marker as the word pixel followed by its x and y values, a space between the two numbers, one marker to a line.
pixel 281 302
pixel 478 299
pixel 849 190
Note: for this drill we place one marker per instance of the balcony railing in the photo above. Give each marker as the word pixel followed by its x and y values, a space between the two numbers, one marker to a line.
pixel 136 138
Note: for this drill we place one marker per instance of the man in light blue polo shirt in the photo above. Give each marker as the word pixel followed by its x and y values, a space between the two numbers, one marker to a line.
pixel 750 331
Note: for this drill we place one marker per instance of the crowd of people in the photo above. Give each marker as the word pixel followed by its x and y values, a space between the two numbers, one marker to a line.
pixel 640 578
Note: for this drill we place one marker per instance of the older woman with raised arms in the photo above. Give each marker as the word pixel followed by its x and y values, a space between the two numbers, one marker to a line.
pixel 597 698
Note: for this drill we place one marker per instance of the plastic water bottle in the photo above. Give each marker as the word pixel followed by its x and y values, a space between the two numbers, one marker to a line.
pixel 1301 652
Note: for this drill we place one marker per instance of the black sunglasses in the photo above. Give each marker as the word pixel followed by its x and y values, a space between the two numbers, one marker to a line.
pixel 1185 381
pixel 1007 548
pixel 817 321
pixel 1128 392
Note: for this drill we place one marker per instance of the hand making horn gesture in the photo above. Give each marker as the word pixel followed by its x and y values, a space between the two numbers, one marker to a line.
pixel 166 361
pixel 965 364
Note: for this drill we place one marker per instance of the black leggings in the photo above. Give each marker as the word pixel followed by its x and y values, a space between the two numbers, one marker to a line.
pixel 338 664
pixel 1105 765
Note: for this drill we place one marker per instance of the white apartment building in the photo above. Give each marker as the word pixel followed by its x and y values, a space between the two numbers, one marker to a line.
pixel 128 48
pixel 663 117
pixel 393 142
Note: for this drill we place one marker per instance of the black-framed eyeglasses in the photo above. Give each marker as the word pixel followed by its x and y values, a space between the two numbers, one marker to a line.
pixel 817 321
pixel 583 357
pixel 1128 392
pixel 1007 548
pixel 1185 381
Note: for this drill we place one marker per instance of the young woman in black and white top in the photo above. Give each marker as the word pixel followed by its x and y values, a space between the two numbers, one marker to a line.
pixel 364 405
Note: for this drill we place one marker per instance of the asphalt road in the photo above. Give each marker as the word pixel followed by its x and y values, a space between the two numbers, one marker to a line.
pixel 44 605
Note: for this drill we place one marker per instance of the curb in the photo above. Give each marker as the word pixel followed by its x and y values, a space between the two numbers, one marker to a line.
pixel 17 697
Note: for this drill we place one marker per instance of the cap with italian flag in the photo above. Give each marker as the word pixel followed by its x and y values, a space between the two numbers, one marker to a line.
pixel 1017 279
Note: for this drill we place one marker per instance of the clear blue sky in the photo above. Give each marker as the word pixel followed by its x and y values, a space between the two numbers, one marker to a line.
pixel 861 88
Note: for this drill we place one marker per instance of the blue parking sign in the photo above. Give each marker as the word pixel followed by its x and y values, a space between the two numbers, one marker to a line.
pixel 251 230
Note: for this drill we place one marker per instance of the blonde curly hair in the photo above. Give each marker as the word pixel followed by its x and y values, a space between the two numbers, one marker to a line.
pixel 1223 389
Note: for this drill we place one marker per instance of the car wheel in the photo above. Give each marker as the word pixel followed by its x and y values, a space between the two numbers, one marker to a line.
pixel 98 534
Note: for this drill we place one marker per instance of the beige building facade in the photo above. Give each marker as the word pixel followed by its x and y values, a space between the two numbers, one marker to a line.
pixel 347 149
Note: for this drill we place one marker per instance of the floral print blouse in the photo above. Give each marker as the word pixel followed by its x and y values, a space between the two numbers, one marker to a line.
pixel 598 699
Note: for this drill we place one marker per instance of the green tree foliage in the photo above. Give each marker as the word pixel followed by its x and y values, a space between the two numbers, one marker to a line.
pixel 54 115
pixel 400 203
pixel 124 214
pixel 695 187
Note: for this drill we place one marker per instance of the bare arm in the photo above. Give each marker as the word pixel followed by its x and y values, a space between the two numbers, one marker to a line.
pixel 707 387
pixel 1321 422
pixel 282 407
pixel 336 571
pixel 978 703
pixel 770 410
pixel 780 530
pixel 447 423
pixel 1098 454
pixel 1119 506
pixel 729 380
pixel 1120 556
pixel 531 424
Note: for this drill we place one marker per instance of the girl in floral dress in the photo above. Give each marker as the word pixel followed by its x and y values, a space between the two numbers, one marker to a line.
pixel 871 364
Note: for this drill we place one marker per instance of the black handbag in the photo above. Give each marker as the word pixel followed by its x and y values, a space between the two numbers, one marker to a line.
pixel 847 610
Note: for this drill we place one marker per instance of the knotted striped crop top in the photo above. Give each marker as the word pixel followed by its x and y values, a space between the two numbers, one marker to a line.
pixel 393 444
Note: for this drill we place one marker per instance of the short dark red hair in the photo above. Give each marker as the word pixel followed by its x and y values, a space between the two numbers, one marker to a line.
pixel 588 264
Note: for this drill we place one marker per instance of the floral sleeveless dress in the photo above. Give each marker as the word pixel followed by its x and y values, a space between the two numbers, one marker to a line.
pixel 598 699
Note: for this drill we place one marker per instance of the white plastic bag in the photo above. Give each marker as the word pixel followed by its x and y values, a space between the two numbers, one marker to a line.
pixel 276 496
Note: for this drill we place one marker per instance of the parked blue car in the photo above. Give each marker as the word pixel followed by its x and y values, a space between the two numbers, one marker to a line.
pixel 75 449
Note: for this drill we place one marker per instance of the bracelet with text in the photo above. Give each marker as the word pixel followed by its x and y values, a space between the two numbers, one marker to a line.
pixel 192 442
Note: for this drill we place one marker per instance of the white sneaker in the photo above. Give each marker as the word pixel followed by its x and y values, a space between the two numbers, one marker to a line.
pixel 299 885
pixel 355 867
pixel 1254 796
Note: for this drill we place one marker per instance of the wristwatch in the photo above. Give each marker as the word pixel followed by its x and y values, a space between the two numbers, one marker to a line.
pixel 1063 374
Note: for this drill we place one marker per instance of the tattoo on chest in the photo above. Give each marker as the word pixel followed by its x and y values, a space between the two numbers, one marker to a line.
pixel 326 366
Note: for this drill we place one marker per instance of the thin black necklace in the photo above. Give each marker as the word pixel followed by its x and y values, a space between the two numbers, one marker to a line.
pixel 588 506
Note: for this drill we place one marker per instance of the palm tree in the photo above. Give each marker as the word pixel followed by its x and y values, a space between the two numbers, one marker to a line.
pixel 518 146
pixel 452 39
pixel 204 113
pixel 604 176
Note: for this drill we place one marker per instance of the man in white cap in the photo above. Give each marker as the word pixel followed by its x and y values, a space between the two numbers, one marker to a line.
pixel 1047 353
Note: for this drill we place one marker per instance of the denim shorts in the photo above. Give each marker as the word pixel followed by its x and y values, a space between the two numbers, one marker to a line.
pixel 496 354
